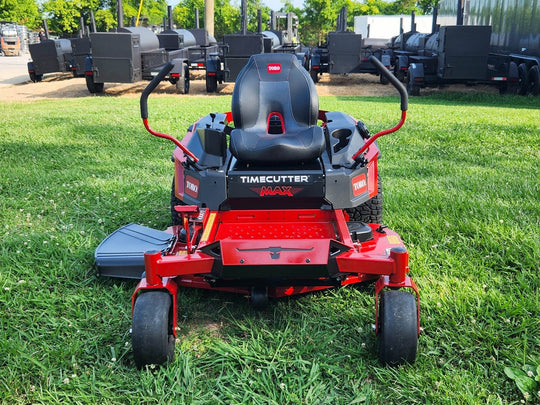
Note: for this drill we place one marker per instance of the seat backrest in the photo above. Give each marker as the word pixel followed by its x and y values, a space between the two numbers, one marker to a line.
pixel 274 93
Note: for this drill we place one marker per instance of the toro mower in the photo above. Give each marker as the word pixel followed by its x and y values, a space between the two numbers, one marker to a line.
pixel 267 203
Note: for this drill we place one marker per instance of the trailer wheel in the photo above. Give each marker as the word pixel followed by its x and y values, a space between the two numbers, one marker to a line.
pixel 510 86
pixel 151 330
pixel 314 75
pixel 534 81
pixel 211 84
pixel 522 79
pixel 35 78
pixel 175 219
pixel 400 74
pixel 182 85
pixel 371 211
pixel 412 89
pixel 383 79
pixel 398 327
pixel 92 86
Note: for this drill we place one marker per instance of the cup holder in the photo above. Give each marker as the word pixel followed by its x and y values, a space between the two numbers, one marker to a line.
pixel 343 135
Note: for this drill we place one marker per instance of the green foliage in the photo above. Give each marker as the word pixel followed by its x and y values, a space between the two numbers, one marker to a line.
pixel 105 20
pixel 226 16
pixel 184 14
pixel 24 12
pixel 316 18
pixel 63 16
pixel 527 380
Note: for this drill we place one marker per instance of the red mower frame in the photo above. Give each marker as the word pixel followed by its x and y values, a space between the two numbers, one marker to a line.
pixel 265 253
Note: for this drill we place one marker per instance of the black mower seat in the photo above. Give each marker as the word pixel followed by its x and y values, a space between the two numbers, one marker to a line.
pixel 275 109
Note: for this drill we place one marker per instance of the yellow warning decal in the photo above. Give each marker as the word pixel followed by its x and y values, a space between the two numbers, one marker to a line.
pixel 393 240
pixel 208 227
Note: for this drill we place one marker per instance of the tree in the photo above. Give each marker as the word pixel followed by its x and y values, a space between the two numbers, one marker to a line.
pixel 63 16
pixel 226 17
pixel 24 12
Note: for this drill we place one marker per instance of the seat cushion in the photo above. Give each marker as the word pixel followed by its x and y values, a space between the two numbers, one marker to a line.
pixel 303 144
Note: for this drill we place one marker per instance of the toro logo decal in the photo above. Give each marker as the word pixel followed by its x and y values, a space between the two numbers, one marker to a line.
pixel 273 68
pixel 359 185
pixel 192 187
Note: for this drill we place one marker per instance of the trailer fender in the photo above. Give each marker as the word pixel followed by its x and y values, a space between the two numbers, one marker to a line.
pixel 385 59
pixel 513 72
pixel 403 62
pixel 416 72
pixel 213 64
pixel 178 68
pixel 315 62
pixel 88 66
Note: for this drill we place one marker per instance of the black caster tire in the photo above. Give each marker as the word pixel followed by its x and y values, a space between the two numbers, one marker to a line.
pixel 259 298
pixel 151 330
pixel 398 328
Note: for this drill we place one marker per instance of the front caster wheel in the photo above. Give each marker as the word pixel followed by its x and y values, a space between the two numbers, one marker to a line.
pixel 151 330
pixel 398 328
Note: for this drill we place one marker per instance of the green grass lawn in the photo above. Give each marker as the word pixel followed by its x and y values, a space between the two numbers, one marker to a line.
pixel 461 186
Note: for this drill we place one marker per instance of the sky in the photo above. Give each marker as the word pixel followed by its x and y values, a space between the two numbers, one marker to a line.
pixel 273 4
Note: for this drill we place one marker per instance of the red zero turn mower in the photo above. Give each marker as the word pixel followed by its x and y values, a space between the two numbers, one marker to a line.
pixel 267 203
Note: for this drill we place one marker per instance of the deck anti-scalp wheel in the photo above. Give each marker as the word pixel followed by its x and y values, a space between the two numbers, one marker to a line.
pixel 398 327
pixel 151 330
pixel 259 297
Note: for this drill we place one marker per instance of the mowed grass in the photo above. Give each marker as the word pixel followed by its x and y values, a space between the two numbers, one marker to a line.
pixel 461 186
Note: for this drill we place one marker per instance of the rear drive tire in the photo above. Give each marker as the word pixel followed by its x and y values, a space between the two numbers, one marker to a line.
pixel 398 328
pixel 370 212
pixel 151 331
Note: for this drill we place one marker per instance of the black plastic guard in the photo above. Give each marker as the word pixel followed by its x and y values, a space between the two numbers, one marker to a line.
pixel 121 254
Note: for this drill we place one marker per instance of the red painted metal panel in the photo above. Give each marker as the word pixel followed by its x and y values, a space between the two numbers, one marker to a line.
pixel 242 252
